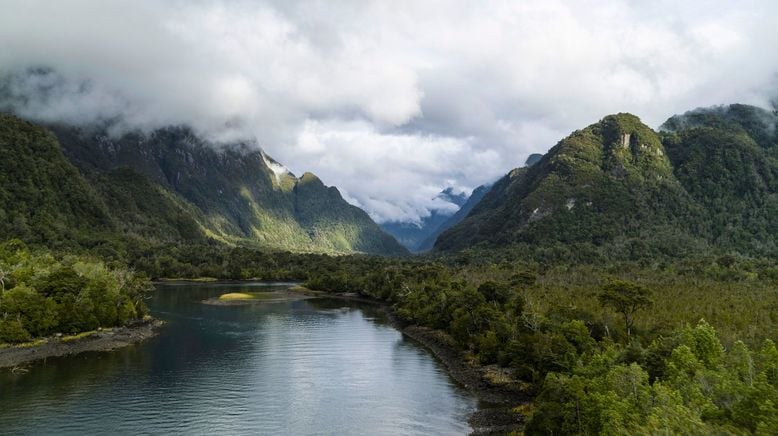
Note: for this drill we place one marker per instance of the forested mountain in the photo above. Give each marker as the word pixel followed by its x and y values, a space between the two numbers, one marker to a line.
pixel 170 185
pixel 608 183
pixel 709 179
pixel 727 160
pixel 43 198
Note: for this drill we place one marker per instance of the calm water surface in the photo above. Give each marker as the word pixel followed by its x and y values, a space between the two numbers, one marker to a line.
pixel 304 367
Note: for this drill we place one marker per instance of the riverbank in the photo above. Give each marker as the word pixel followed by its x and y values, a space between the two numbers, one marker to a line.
pixel 103 340
pixel 498 392
pixel 494 388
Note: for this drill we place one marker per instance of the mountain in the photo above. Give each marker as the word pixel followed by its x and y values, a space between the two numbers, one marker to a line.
pixel 171 186
pixel 708 181
pixel 412 235
pixel 474 198
pixel 608 184
pixel 533 159
pixel 42 196
pixel 726 158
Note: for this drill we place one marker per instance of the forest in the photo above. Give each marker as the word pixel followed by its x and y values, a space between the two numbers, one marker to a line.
pixel 42 294
pixel 605 349
pixel 617 282
pixel 612 347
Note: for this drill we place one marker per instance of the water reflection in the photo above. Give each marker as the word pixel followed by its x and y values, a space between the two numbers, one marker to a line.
pixel 318 366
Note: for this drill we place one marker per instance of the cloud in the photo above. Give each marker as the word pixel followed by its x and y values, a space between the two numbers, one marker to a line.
pixel 390 101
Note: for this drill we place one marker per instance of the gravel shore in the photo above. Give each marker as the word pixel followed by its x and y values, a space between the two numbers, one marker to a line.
pixel 103 340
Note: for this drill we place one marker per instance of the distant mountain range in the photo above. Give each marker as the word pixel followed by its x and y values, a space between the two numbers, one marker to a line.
pixel 429 241
pixel 707 181
pixel 64 185
pixel 421 237
pixel 412 235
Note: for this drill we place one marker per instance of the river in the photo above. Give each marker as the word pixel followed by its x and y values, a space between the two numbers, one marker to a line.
pixel 319 366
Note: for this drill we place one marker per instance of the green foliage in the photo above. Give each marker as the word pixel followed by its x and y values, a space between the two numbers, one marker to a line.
pixel 626 298
pixel 43 198
pixel 618 191
pixel 705 390
pixel 45 295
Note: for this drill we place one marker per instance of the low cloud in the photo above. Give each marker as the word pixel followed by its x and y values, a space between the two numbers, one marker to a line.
pixel 389 101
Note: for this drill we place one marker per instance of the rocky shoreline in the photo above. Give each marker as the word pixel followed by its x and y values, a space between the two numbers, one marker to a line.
pixel 103 340
pixel 495 414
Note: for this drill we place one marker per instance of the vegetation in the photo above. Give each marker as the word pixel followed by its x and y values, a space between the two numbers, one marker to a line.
pixel 625 298
pixel 627 278
pixel 619 191
pixel 586 340
pixel 236 296
pixel 42 294
pixel 172 185
pixel 43 198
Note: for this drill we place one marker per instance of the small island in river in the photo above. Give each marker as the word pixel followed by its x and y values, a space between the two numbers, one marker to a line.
pixel 294 293
pixel 243 299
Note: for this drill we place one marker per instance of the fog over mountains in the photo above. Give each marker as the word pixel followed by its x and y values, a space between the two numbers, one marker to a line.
pixel 391 104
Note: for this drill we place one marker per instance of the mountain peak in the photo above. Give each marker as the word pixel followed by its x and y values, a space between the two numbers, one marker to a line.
pixel 309 177
pixel 450 196
pixel 760 124
pixel 585 179
pixel 533 159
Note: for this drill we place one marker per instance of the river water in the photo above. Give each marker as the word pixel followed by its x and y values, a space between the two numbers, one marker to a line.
pixel 317 366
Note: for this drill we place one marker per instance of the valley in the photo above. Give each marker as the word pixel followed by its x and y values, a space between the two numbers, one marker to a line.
pixel 622 282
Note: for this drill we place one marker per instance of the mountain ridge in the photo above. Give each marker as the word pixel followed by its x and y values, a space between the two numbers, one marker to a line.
pixel 232 193
pixel 611 180
pixel 708 180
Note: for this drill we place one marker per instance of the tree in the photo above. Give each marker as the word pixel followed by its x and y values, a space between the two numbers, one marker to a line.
pixel 495 293
pixel 625 298
pixel 3 275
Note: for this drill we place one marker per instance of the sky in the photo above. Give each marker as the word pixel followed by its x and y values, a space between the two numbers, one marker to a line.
pixel 390 101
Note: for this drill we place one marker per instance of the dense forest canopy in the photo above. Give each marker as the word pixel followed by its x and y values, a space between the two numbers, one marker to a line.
pixel 42 294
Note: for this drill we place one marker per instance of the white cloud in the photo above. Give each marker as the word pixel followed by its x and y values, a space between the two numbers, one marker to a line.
pixel 398 175
pixel 390 101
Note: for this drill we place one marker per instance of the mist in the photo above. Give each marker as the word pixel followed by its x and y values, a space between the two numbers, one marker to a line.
pixel 390 101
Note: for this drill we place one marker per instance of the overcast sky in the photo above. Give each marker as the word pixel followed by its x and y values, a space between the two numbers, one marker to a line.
pixel 390 101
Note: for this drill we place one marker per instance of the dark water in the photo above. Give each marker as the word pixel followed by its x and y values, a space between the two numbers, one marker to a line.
pixel 305 367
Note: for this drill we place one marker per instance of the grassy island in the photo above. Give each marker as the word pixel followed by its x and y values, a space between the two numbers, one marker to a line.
pixel 232 296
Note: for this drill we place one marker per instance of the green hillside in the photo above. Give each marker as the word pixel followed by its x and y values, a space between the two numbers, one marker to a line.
pixel 608 184
pixel 619 190
pixel 168 186
pixel 43 198
pixel 727 160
